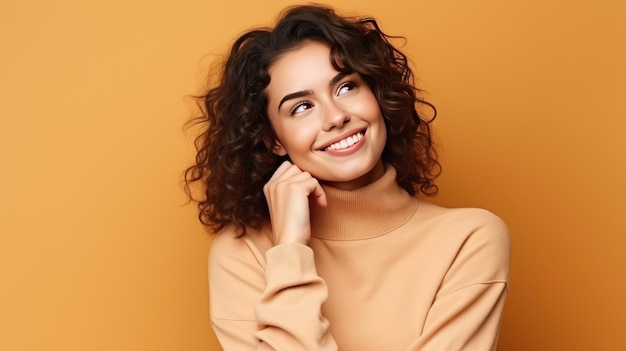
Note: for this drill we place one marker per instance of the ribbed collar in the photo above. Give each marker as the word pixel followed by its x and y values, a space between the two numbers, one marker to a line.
pixel 367 212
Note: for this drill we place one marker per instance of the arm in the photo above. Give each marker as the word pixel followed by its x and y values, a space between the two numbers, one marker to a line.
pixel 467 310
pixel 289 310
pixel 281 284
pixel 286 292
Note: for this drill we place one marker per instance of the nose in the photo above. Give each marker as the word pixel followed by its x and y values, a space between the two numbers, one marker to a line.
pixel 334 117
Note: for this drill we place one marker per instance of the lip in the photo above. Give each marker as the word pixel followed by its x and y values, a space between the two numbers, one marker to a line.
pixel 347 151
pixel 341 137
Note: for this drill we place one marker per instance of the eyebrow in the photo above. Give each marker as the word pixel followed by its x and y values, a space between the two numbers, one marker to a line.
pixel 298 94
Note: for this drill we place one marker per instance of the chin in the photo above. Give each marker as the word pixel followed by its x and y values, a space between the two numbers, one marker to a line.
pixel 351 175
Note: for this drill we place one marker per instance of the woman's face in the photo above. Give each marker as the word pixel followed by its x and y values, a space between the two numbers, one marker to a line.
pixel 328 123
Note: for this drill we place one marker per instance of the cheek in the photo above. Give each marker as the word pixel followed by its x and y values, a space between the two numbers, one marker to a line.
pixel 299 135
pixel 369 108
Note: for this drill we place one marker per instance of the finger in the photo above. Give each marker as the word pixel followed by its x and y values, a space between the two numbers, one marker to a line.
pixel 319 195
pixel 289 175
pixel 274 178
pixel 280 170
pixel 312 186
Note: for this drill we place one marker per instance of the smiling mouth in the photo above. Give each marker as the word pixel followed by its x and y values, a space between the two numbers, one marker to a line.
pixel 345 143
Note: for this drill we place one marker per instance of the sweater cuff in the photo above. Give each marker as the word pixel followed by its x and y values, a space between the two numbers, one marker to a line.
pixel 289 264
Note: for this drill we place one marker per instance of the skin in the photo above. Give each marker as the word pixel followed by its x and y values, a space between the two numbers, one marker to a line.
pixel 330 125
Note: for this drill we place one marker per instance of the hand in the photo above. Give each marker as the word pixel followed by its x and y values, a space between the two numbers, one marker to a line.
pixel 287 194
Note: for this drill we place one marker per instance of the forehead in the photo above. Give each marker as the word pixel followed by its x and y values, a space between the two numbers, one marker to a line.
pixel 309 53
pixel 304 68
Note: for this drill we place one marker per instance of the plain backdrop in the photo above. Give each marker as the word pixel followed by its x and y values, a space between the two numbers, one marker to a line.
pixel 99 250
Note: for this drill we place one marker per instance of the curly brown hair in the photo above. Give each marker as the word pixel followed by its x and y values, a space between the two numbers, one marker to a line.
pixel 234 150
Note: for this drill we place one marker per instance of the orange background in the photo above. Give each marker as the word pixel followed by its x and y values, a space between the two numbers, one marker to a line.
pixel 98 250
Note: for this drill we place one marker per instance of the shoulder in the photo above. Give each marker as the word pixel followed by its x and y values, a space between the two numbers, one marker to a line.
pixel 467 221
pixel 477 238
pixel 230 246
pixel 236 272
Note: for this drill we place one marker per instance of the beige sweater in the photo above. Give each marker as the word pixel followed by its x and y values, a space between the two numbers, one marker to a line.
pixel 383 271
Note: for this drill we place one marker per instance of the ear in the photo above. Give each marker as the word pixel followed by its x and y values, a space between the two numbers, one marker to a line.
pixel 279 149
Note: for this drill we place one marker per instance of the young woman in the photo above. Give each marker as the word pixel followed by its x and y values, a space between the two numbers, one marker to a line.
pixel 312 155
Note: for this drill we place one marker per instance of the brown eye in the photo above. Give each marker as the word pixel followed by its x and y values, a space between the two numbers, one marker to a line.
pixel 345 87
pixel 300 107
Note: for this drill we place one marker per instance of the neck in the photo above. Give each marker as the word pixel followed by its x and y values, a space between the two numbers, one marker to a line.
pixel 369 211
pixel 368 178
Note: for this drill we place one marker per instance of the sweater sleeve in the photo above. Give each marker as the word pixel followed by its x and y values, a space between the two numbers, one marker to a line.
pixel 467 310
pixel 266 302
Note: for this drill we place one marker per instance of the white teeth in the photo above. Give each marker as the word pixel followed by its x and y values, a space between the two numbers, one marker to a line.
pixel 349 141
